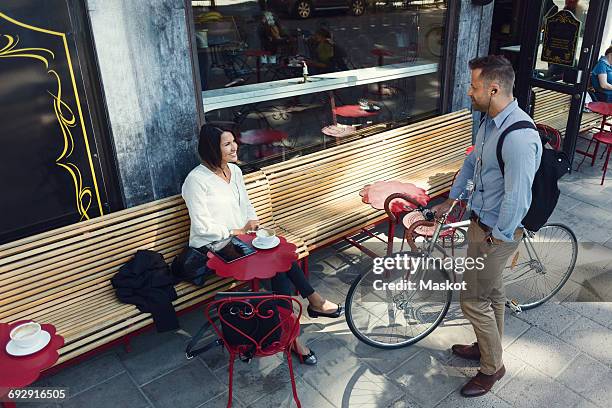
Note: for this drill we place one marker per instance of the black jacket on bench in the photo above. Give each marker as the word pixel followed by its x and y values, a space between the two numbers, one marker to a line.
pixel 146 281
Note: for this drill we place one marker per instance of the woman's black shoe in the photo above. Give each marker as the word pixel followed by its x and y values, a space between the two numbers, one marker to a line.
pixel 307 359
pixel 313 313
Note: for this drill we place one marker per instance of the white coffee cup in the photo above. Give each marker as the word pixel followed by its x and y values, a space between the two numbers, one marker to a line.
pixel 26 335
pixel 265 235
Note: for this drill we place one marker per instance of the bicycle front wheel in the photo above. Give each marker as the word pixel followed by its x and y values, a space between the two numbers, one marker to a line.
pixel 541 266
pixel 383 312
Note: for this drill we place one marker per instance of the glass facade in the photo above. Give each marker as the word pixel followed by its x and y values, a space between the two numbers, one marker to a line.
pixel 368 65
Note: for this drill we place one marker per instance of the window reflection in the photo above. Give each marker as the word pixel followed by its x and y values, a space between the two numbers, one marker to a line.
pixel 243 45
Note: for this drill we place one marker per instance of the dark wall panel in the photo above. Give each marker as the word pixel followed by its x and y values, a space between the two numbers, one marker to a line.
pixel 50 173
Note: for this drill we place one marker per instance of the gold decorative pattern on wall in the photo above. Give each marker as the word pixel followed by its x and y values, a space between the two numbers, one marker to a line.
pixel 69 121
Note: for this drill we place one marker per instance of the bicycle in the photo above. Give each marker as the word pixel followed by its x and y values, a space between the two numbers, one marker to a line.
pixel 392 315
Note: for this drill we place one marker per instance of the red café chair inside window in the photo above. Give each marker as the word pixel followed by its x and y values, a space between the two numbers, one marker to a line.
pixel 252 311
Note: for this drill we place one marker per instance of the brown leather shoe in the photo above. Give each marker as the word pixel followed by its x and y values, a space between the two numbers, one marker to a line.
pixel 467 351
pixel 481 383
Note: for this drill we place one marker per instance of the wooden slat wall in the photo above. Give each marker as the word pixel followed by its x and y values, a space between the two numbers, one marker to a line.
pixel 551 108
pixel 316 197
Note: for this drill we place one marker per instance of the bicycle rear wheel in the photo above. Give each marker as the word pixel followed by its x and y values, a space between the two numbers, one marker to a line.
pixel 541 266
pixel 394 317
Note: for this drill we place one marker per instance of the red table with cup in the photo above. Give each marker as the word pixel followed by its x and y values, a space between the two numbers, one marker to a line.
pixel 27 348
pixel 274 255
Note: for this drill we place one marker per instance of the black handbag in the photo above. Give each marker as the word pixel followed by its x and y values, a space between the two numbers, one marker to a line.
pixel 190 266
pixel 236 325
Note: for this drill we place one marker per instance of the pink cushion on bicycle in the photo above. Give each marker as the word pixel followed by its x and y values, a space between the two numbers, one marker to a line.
pixel 425 231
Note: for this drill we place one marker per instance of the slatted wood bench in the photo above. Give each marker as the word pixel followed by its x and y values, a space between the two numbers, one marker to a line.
pixel 316 196
pixel 63 276
pixel 552 108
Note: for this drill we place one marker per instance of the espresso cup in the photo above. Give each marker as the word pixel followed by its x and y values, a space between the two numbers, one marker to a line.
pixel 265 235
pixel 26 335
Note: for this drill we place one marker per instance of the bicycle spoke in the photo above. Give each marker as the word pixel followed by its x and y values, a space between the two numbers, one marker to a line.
pixel 398 317
pixel 546 260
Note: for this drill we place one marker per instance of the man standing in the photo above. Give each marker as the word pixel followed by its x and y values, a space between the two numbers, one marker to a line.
pixel 498 203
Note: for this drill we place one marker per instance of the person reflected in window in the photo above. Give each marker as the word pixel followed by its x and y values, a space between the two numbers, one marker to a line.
pixel 325 55
pixel 601 77
pixel 219 206
pixel 274 38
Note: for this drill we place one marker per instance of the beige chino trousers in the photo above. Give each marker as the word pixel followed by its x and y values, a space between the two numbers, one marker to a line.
pixel 483 301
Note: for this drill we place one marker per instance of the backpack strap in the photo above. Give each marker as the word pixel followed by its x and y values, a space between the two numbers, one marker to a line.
pixel 524 124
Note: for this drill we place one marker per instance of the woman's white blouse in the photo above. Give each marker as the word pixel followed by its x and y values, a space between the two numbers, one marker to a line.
pixel 215 207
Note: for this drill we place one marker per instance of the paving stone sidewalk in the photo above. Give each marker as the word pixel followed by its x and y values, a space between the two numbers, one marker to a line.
pixel 558 355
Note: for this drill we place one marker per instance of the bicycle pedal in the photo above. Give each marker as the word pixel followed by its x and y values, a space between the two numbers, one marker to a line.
pixel 514 306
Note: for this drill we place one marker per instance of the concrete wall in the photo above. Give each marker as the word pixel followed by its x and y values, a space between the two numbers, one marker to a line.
pixel 143 51
pixel 471 36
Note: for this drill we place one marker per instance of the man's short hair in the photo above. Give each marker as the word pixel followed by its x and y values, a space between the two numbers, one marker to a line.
pixel 608 50
pixel 495 68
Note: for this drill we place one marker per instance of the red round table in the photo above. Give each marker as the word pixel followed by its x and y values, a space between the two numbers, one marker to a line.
pixel 19 372
pixel 265 264
pixel 261 137
pixel 375 195
pixel 354 111
pixel 381 53
pixel 603 108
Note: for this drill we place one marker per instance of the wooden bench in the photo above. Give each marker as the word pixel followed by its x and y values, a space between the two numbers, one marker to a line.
pixel 552 109
pixel 316 197
pixel 63 276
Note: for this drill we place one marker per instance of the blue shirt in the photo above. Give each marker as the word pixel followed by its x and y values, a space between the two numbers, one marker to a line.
pixel 504 200
pixel 602 67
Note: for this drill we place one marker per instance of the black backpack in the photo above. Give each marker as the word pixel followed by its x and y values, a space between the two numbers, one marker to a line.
pixel 544 191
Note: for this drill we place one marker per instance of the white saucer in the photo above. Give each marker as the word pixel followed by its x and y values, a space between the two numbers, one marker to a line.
pixel 13 350
pixel 274 243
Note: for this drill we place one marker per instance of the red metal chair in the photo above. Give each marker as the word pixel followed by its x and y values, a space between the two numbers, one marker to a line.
pixel 604 138
pixel 551 134
pixel 279 338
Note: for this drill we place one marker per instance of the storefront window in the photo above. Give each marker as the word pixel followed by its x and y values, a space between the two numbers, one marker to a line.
pixel 368 64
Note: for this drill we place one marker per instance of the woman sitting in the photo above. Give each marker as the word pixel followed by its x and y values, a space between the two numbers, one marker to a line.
pixel 219 206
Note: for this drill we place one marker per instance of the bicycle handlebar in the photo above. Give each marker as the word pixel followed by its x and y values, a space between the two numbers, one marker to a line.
pixel 404 197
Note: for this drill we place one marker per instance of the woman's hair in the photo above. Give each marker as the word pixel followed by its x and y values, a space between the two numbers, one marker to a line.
pixel 608 50
pixel 209 145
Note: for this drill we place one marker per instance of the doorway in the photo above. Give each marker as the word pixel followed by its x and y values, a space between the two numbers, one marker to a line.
pixel 559 46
